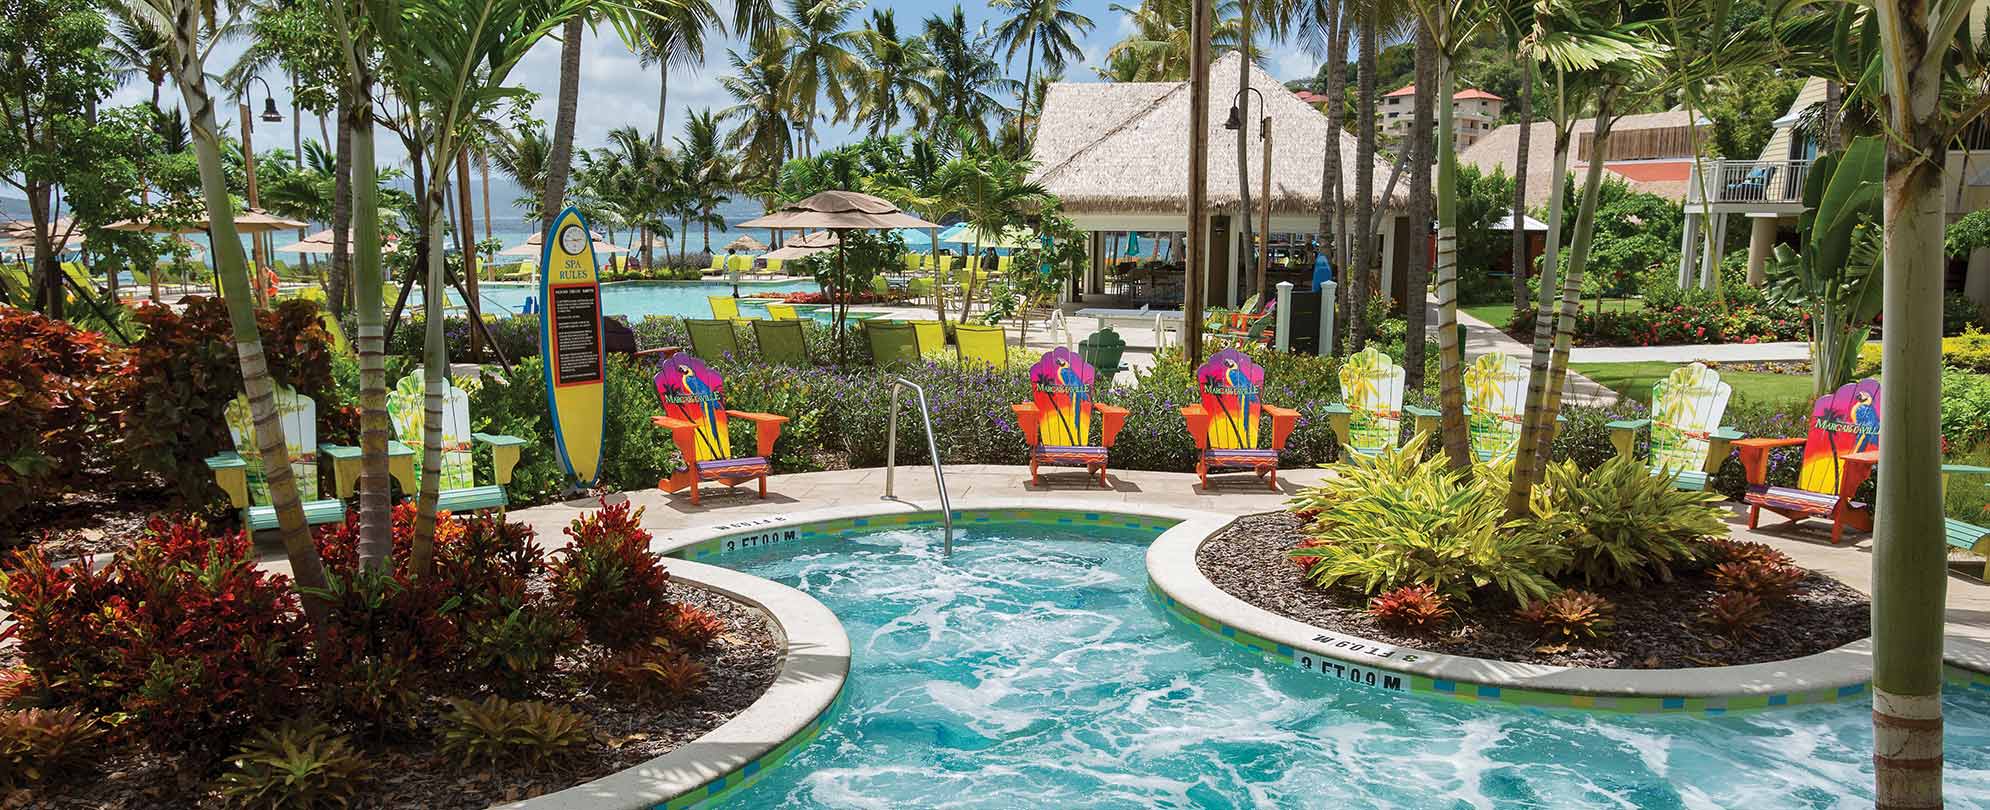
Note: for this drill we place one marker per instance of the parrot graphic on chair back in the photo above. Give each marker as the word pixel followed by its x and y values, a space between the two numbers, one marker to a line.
pixel 1061 385
pixel 693 392
pixel 1843 421
pixel 1230 385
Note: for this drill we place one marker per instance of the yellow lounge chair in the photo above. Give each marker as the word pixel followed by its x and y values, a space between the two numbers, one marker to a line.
pixel 980 343
pixel 724 308
pixel 773 267
pixel 932 336
pixel 782 312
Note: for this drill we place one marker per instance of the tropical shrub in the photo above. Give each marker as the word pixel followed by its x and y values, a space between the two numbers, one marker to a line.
pixel 36 744
pixel 297 766
pixel 1395 519
pixel 1631 526
pixel 517 336
pixel 1768 581
pixel 690 627
pixel 53 377
pixel 635 454
pixel 653 672
pixel 1734 613
pixel 495 731
pixel 1723 550
pixel 1416 608
pixel 1570 616
pixel 512 638
pixel 607 577
pixel 65 628
pixel 1684 324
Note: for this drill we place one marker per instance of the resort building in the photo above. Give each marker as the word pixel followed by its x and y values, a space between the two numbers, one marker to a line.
pixel 1116 153
pixel 1652 152
pixel 1474 113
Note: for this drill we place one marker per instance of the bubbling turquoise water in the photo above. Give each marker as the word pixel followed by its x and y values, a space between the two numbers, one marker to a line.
pixel 1032 669
pixel 632 299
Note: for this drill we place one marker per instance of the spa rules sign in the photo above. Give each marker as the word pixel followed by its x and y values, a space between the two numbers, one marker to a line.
pixel 570 343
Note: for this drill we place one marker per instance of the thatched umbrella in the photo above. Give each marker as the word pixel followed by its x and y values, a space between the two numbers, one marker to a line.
pixel 746 244
pixel 839 211
pixel 253 220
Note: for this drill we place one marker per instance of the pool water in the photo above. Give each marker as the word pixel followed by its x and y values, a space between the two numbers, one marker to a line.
pixel 1032 669
pixel 632 299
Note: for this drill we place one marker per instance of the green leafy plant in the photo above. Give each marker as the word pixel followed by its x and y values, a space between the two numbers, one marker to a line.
pixel 658 671
pixel 38 743
pixel 495 731
pixel 1394 519
pixel 609 581
pixel 1734 613
pixel 1632 526
pixel 1416 608
pixel 1837 276
pixel 513 639
pixel 298 766
pixel 1771 582
pixel 1570 616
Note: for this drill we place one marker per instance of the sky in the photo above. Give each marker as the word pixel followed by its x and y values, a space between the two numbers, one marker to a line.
pixel 617 90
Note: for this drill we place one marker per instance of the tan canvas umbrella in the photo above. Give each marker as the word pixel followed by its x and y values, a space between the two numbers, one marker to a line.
pixel 320 244
pixel 531 247
pixel 839 211
pixel 253 220
pixel 746 244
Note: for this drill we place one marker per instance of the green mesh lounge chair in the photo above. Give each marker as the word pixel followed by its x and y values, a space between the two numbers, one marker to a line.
pixel 239 472
pixel 932 335
pixel 782 312
pixel 712 338
pixel 892 343
pixel 724 307
pixel 782 342
pixel 981 343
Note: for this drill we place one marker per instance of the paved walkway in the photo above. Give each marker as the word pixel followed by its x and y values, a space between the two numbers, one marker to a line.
pixel 1482 337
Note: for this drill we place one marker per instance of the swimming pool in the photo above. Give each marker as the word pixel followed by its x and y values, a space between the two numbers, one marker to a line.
pixel 1033 669
pixel 633 299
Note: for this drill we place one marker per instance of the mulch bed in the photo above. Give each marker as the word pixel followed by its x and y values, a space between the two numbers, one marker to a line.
pixel 414 774
pixel 1657 627
pixel 91 521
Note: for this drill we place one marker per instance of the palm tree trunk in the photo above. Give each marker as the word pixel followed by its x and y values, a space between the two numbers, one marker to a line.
pixel 1330 156
pixel 662 97
pixel 375 501
pixel 1029 80
pixel 1585 231
pixel 231 266
pixel 1450 373
pixel 559 163
pixel 1246 247
pixel 1337 41
pixel 435 374
pixel 1418 149
pixel 1364 187
pixel 1519 495
pixel 1908 567
pixel 341 263
pixel 1519 266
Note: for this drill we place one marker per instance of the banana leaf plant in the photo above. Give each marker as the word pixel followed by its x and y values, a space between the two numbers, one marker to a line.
pixel 1837 276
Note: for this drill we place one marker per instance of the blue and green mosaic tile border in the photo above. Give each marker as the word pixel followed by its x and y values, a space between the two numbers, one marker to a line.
pixel 773 532
pixel 725 787
pixel 1956 677
pixel 1370 676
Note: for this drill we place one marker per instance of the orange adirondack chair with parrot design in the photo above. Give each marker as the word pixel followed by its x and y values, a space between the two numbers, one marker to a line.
pixel 695 413
pixel 1226 424
pixel 1057 421
pixel 1839 452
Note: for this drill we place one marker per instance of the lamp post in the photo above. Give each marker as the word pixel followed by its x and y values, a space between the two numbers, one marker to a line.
pixel 1235 123
pixel 272 115
pixel 801 138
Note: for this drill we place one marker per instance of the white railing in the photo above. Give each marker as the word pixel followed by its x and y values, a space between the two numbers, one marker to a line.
pixel 1750 181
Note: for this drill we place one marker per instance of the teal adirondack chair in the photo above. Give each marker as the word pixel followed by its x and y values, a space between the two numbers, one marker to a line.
pixel 459 490
pixel 239 472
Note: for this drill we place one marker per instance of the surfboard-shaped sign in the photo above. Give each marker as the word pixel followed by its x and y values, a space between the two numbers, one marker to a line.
pixel 570 344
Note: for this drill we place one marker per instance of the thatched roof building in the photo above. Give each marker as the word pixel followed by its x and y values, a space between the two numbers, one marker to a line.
pixel 1122 147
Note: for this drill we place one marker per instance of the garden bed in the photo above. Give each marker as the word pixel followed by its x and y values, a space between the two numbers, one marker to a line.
pixel 1657 626
pixel 411 772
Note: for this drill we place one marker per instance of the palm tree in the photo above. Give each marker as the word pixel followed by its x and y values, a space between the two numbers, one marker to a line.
pixel 1159 44
pixel 968 76
pixel 636 176
pixel 1364 178
pixel 708 171
pixel 994 194
pixel 673 35
pixel 820 61
pixel 760 115
pixel 1045 25
pixel 895 76
pixel 187 35
pixel 138 51
pixel 523 155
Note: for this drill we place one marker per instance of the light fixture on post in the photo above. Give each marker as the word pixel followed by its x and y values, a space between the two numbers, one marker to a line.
pixel 270 114
pixel 1234 123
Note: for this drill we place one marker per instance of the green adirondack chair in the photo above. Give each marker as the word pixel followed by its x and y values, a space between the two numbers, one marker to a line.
pixel 712 338
pixel 1495 401
pixel 1688 441
pixel 239 472
pixel 459 489
pixel 1103 350
pixel 781 342
pixel 892 343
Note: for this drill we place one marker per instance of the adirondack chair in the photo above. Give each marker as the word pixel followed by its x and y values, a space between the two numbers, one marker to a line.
pixel 458 485
pixel 239 472
pixel 1057 422
pixel 1104 349
pixel 1370 420
pixel 1688 441
pixel 1963 535
pixel 711 338
pixel 980 343
pixel 782 342
pixel 892 343
pixel 1495 401
pixel 1839 452
pixel 694 411
pixel 1225 426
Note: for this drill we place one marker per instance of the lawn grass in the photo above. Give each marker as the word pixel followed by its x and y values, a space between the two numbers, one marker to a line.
pixel 1634 380
pixel 1499 313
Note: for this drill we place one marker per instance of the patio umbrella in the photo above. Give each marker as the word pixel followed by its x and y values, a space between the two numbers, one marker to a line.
pixel 532 243
pixel 746 244
pixel 805 245
pixel 320 244
pixel 839 211
pixel 253 220
pixel 965 234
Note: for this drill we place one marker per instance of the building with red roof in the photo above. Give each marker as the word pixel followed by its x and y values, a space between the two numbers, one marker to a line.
pixel 1474 112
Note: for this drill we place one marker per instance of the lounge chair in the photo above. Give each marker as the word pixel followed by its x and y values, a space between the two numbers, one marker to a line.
pixel 1057 422
pixel 459 489
pixel 1225 425
pixel 693 399
pixel 1688 442
pixel 892 342
pixel 932 336
pixel 718 265
pixel 1839 453
pixel 239 472
pixel 712 338
pixel 782 312
pixel 725 308
pixel 1369 420
pixel 782 342
pixel 773 267
pixel 981 343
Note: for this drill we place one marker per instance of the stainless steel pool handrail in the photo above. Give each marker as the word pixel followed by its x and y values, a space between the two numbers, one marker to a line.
pixel 898 387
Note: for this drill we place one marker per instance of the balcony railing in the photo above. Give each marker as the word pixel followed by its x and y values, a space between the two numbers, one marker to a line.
pixel 1778 182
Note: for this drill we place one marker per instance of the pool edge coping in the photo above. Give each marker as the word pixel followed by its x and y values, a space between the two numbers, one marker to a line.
pixel 815 665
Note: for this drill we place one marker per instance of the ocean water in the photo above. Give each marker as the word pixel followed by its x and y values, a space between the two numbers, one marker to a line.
pixel 1032 669
pixel 633 299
